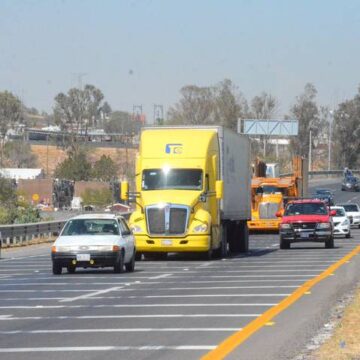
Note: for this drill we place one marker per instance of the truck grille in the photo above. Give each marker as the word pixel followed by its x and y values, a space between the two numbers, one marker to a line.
pixel 268 210
pixel 171 219
pixel 305 226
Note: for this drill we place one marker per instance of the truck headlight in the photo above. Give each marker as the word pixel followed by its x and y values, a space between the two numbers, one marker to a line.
pixel 135 228
pixel 323 226
pixel 200 228
pixel 285 226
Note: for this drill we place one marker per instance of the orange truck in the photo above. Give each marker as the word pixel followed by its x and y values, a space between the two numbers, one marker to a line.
pixel 269 194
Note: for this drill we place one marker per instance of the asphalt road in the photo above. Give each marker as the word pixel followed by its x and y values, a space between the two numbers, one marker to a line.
pixel 176 309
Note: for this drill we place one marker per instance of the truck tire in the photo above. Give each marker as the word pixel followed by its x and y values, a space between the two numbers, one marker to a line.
pixel 329 243
pixel 284 244
pixel 238 235
pixel 222 251
pixel 138 256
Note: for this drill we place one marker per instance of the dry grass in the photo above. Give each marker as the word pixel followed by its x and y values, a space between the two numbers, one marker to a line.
pixel 52 156
pixel 345 342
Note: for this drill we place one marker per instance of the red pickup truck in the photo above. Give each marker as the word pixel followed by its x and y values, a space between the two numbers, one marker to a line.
pixel 306 220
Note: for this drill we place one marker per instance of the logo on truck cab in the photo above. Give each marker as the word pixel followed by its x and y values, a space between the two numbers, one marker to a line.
pixel 173 148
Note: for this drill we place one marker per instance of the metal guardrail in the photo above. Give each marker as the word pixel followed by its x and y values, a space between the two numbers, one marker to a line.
pixel 23 234
pixel 324 172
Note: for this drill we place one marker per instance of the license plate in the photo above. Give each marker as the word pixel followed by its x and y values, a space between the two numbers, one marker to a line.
pixel 166 243
pixel 304 235
pixel 83 257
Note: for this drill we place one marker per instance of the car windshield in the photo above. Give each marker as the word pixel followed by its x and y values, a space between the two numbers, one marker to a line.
pixel 269 189
pixel 339 212
pixel 323 192
pixel 350 207
pixel 179 179
pixel 352 180
pixel 91 227
pixel 306 209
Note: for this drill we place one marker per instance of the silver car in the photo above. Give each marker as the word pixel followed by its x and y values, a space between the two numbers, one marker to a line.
pixel 93 241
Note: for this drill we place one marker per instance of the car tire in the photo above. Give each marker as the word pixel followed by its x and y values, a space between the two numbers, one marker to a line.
pixel 329 243
pixel 284 245
pixel 71 269
pixel 119 265
pixel 348 235
pixel 359 226
pixel 56 268
pixel 130 266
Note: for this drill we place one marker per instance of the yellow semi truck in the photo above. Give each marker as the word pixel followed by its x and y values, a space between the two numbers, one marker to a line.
pixel 192 191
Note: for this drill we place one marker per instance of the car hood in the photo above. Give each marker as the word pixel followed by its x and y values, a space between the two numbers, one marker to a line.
pixel 89 240
pixel 353 213
pixel 305 218
pixel 339 218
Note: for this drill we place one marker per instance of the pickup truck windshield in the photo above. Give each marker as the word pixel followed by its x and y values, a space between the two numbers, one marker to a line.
pixel 178 179
pixel 306 209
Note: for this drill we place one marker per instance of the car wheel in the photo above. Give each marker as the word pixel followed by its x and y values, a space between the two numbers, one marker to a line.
pixel 348 235
pixel 329 243
pixel 71 269
pixel 119 265
pixel 56 268
pixel 284 244
pixel 130 266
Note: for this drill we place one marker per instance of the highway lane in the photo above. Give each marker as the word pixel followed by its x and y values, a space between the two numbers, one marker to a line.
pixel 175 309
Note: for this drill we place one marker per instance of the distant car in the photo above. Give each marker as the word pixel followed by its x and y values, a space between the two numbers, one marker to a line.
pixel 353 212
pixel 306 220
pixel 341 222
pixel 96 240
pixel 326 195
pixel 350 183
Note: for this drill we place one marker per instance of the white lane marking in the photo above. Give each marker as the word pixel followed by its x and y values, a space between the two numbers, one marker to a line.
pixel 108 348
pixel 198 295
pixel 49 291
pixel 4 317
pixel 135 306
pixel 92 294
pixel 73 331
pixel 160 276
pixel 22 258
pixel 224 287
pixel 151 316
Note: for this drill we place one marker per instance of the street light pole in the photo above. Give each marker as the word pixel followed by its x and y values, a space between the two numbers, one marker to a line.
pixel 331 112
pixel 310 145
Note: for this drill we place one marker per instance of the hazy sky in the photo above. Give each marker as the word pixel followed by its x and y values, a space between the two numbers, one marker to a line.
pixel 144 51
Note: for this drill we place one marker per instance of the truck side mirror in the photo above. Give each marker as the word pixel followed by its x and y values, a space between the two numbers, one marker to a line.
pixel 278 214
pixel 124 190
pixel 219 189
pixel 332 212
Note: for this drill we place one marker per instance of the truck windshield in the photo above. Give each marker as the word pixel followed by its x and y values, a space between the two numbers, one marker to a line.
pixel 269 189
pixel 306 209
pixel 179 179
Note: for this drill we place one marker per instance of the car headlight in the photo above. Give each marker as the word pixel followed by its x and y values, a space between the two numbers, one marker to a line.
pixel 345 222
pixel 136 228
pixel 285 226
pixel 200 228
pixel 323 226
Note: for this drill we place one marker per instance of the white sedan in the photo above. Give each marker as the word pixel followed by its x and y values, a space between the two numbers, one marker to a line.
pixel 94 240
pixel 341 222
pixel 353 212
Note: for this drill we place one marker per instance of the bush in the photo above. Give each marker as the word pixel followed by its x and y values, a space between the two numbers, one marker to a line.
pixel 98 198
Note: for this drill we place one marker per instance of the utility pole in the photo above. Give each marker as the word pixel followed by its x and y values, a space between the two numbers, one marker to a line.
pixel 310 146
pixel 158 114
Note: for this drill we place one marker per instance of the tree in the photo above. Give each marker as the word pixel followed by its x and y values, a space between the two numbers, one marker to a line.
pixel 221 104
pixel 78 109
pixel 10 114
pixel 264 106
pixel 20 155
pixel 346 131
pixel 120 122
pixel 104 169
pixel 76 167
pixel 306 111
pixel 98 198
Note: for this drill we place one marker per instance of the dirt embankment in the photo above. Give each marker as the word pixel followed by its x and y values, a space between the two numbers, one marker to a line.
pixel 48 157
